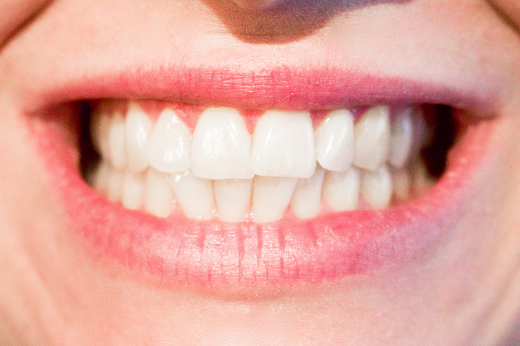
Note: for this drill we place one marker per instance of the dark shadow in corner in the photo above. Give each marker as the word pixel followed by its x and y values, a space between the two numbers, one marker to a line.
pixel 289 20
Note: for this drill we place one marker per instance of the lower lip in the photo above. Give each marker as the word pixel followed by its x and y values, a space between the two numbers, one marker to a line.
pixel 218 256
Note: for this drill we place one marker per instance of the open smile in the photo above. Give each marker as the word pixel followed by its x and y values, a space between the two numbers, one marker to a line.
pixel 262 177
pixel 341 200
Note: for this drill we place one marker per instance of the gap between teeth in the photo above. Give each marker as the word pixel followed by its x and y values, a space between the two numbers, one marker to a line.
pixel 220 170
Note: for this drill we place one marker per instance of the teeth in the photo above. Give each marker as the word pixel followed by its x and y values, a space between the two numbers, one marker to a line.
pixel 376 187
pixel 133 191
pixel 115 185
pixel 116 141
pixel 335 141
pixel 422 181
pixel 306 199
pixel 233 197
pixel 271 196
pixel 157 168
pixel 170 144
pixel 195 195
pixel 283 145
pixel 401 185
pixel 401 138
pixel 158 198
pixel 101 178
pixel 221 145
pixel 341 189
pixel 138 128
pixel 372 137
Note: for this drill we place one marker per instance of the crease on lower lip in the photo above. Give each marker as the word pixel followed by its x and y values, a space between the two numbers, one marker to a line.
pixel 215 254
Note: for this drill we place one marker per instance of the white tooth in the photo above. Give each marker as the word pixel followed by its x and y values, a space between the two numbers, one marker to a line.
pixel 233 197
pixel 306 199
pixel 335 141
pixel 283 145
pixel 221 145
pixel 115 185
pixel 133 191
pixel 116 141
pixel 195 195
pixel 371 138
pixel 376 187
pixel 158 194
pixel 271 196
pixel 101 177
pixel 170 144
pixel 401 185
pixel 341 189
pixel 138 128
pixel 401 138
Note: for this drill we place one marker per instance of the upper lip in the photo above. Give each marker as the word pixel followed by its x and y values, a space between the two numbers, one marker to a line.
pixel 278 88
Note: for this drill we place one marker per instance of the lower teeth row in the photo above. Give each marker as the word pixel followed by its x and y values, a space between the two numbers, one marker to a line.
pixel 261 199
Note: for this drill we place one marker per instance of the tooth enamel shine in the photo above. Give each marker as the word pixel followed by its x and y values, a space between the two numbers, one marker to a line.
pixel 285 166
pixel 283 145
pixel 169 147
pixel 221 146
pixel 335 141
pixel 372 137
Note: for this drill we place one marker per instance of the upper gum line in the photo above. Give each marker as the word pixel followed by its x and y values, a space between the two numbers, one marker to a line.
pixel 367 156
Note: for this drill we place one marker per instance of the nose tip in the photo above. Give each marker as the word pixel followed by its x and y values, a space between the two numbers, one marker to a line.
pixel 255 4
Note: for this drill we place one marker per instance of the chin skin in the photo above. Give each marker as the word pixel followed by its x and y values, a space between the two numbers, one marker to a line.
pixel 462 290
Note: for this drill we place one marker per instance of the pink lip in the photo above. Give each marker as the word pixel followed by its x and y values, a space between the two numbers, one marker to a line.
pixel 216 255
pixel 281 88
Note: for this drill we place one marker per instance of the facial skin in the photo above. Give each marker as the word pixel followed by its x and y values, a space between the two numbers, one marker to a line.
pixel 462 290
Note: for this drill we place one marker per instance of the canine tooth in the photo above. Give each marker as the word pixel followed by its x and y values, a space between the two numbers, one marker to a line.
pixel 376 187
pixel 401 138
pixel 271 196
pixel 221 146
pixel 371 138
pixel 283 145
pixel 133 191
pixel 158 194
pixel 101 177
pixel 401 185
pixel 170 144
pixel 233 198
pixel 341 189
pixel 195 195
pixel 116 141
pixel 335 141
pixel 138 128
pixel 306 199
pixel 115 185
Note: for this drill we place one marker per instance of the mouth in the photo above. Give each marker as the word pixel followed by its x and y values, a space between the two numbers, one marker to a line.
pixel 259 167
pixel 257 197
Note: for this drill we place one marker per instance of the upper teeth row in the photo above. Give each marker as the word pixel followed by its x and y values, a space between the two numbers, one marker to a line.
pixel 283 144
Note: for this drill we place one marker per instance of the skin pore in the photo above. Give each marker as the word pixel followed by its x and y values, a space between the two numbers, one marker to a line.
pixel 460 289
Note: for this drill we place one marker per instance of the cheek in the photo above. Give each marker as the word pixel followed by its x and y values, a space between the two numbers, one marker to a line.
pixel 511 8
